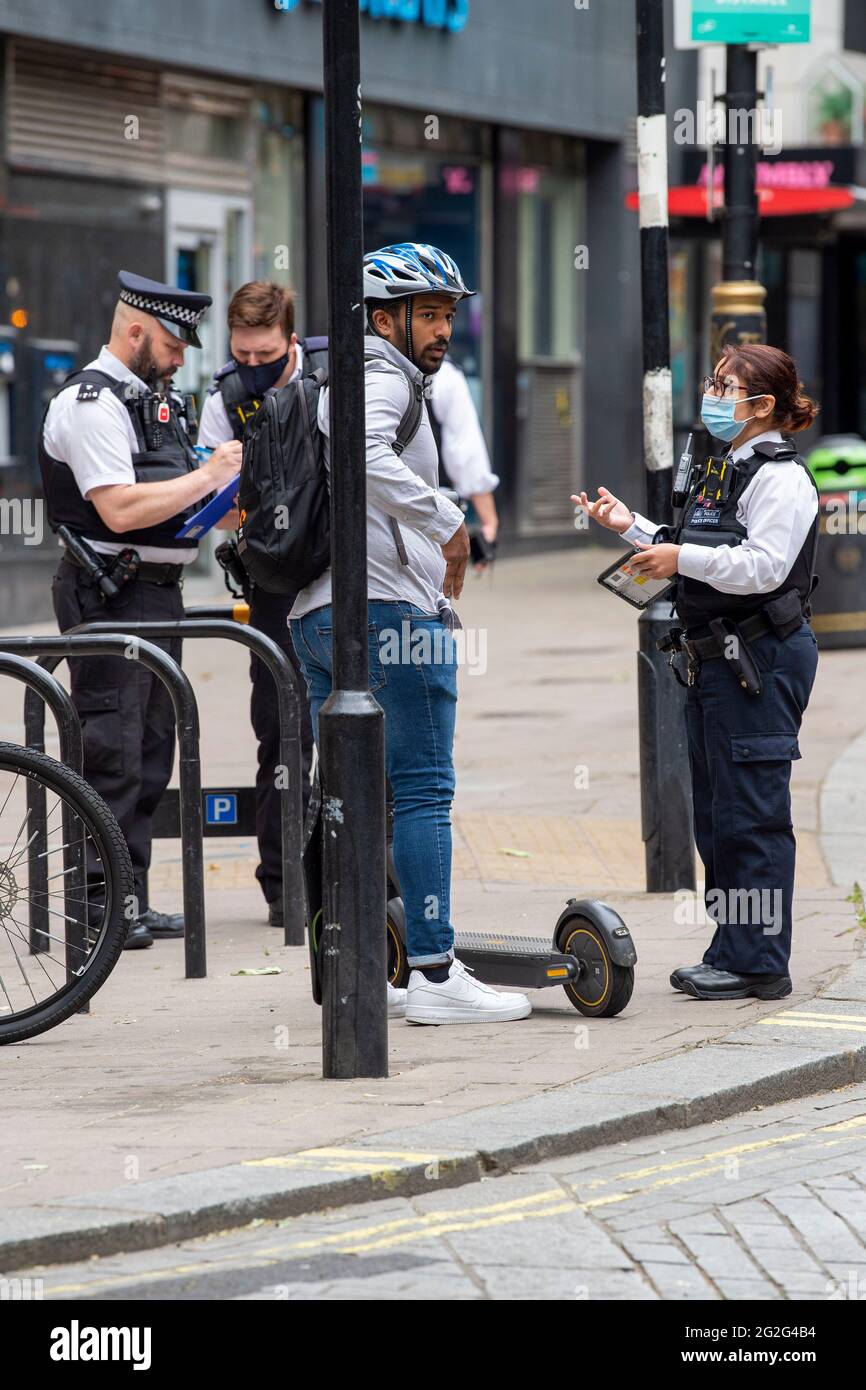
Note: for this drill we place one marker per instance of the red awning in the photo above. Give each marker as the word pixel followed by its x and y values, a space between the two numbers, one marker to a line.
pixel 691 201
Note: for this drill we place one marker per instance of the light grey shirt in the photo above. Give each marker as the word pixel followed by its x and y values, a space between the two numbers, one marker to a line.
pixel 404 487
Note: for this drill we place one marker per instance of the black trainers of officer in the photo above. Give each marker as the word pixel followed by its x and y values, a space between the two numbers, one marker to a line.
pixel 724 984
pixel 275 914
pixel 162 924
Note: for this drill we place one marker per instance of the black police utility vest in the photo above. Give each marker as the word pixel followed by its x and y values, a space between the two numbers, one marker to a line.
pixel 715 523
pixel 170 455
pixel 240 405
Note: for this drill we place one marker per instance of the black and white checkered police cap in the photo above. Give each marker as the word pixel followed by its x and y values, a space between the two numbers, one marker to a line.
pixel 180 311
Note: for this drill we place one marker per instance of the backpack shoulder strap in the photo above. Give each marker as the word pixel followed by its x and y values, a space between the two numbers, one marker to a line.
pixel 411 420
pixel 406 432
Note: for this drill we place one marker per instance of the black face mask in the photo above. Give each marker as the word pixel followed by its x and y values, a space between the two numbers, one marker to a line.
pixel 259 379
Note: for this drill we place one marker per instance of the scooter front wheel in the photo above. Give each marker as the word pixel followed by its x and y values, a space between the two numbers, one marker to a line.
pixel 604 987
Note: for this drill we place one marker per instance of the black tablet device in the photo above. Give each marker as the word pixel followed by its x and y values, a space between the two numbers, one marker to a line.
pixel 622 579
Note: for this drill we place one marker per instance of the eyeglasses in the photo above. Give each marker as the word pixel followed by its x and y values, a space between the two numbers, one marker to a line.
pixel 719 388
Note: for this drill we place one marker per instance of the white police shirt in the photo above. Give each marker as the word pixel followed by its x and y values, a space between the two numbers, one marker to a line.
pixel 215 427
pixel 464 452
pixel 777 509
pixel 97 441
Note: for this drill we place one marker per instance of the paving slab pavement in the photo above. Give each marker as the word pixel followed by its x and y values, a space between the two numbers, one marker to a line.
pixel 174 1081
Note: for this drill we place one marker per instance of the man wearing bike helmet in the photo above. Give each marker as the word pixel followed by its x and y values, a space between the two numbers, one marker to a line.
pixel 417 553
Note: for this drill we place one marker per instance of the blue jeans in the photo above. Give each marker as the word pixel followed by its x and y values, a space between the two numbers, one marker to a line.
pixel 413 675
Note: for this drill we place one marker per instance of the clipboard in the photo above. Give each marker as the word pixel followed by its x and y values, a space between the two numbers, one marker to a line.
pixel 637 589
pixel 213 511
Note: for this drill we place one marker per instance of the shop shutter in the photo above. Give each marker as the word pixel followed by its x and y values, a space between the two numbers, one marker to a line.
pixel 548 452
pixel 208 133
pixel 71 111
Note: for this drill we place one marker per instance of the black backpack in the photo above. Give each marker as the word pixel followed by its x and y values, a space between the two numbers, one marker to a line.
pixel 284 535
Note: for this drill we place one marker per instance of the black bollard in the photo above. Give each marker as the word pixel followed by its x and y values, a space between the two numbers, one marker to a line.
pixel 351 723
pixel 666 801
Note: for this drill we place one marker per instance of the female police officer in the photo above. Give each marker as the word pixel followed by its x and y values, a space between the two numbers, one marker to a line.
pixel 742 555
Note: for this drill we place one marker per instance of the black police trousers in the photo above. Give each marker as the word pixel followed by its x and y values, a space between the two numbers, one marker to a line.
pixel 741 748
pixel 270 614
pixel 127 718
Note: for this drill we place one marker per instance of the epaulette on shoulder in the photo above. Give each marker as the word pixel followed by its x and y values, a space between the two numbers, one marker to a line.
pixel 775 449
pixel 89 391
pixel 218 376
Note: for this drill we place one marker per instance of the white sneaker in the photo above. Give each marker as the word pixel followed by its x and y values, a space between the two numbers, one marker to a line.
pixel 396 1002
pixel 461 999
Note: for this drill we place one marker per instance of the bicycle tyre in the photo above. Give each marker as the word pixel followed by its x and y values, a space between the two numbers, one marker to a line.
pixel 114 853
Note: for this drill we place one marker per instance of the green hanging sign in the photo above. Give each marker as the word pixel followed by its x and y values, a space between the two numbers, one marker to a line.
pixel 751 21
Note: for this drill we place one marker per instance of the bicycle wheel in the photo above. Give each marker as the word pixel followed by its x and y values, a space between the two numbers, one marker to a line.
pixel 65 886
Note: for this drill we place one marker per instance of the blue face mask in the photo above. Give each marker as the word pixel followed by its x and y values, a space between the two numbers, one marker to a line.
pixel 717 414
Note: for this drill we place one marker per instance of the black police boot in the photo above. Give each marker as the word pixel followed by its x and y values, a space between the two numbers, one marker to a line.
pixel 275 913
pixel 162 924
pixel 725 984
pixel 680 973
pixel 137 936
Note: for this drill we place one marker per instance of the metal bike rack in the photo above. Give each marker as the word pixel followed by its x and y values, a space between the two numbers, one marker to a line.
pixel 49 691
pixel 53 650
pixel 288 704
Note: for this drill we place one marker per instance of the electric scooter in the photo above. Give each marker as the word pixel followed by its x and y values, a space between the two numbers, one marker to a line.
pixel 592 954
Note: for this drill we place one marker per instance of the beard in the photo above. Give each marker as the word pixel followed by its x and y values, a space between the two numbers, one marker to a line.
pixel 144 366
pixel 431 365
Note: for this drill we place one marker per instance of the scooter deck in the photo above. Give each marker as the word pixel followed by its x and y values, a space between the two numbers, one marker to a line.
pixel 505 945
pixel 515 960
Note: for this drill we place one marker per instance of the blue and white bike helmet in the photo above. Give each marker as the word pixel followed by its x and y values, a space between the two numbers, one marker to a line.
pixel 410 267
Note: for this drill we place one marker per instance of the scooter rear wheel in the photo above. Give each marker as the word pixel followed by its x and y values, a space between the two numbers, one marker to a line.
pixel 604 988
pixel 398 967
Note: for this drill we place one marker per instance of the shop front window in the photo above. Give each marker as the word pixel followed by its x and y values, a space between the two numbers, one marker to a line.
pixel 278 190
pixel 550 216
pixel 835 106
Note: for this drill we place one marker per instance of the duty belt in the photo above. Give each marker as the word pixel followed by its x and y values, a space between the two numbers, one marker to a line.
pixel 729 640
pixel 705 648
pixel 148 571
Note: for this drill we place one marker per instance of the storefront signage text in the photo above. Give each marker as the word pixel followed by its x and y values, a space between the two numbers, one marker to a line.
pixel 791 173
pixel 450 15
pixel 750 21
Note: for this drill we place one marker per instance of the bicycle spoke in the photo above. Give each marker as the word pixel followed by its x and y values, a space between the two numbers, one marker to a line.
pixel 6 992
pixel 38 956
pixel 43 931
pixel 18 836
pixel 10 791
pixel 23 971
pixel 54 833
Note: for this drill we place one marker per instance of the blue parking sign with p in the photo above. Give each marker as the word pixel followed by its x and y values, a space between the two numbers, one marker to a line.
pixel 221 808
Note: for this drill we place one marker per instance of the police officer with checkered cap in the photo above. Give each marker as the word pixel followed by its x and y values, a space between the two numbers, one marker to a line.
pixel 120 474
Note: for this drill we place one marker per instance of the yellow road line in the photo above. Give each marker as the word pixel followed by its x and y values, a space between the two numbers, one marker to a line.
pixel 339 1152
pixel 535 1206
pixel 782 1022
pixel 807 1013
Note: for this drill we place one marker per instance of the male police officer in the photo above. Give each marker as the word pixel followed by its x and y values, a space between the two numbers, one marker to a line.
pixel 266 355
pixel 119 470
